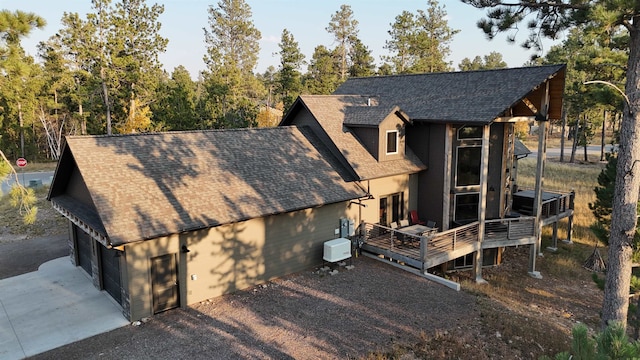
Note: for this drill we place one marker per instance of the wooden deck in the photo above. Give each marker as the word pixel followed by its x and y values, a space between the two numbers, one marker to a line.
pixel 424 252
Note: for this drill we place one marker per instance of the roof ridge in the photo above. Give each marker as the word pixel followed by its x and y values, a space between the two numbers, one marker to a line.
pixel 274 128
pixel 456 72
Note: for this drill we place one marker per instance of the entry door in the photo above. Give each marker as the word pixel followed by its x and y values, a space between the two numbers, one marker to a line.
pixel 164 283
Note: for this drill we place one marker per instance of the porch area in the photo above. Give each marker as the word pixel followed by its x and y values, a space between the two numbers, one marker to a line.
pixel 429 249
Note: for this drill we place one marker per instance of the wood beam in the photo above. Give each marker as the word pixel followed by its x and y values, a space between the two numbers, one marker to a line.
pixel 513 119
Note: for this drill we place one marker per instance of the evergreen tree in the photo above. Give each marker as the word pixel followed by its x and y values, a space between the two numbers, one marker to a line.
pixel 488 62
pixel 362 63
pixel 609 16
pixel 402 37
pixel 420 42
pixel 20 82
pixel 344 28
pixel 289 79
pixel 175 107
pixel 232 54
pixel 322 76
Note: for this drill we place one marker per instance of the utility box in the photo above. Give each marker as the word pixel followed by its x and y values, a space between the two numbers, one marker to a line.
pixel 337 250
pixel 347 227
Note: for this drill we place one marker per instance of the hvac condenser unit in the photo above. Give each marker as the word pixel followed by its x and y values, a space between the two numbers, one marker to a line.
pixel 337 250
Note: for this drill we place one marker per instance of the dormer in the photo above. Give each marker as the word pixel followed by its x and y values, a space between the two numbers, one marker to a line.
pixel 380 129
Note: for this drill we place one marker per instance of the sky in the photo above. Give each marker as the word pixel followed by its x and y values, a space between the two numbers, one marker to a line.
pixel 183 22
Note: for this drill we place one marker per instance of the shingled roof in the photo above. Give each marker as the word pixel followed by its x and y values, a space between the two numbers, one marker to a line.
pixel 459 97
pixel 151 185
pixel 330 112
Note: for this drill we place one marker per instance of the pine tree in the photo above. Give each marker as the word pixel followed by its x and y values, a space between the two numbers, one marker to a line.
pixel 549 19
pixel 344 28
pixel 232 54
pixel 289 79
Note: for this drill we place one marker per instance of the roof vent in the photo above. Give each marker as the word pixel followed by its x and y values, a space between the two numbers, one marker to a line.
pixel 368 101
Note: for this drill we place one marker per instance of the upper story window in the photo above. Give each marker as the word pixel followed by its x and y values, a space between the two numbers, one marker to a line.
pixel 392 142
pixel 470 133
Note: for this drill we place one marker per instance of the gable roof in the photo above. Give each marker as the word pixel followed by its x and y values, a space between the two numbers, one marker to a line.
pixel 150 185
pixel 330 112
pixel 460 97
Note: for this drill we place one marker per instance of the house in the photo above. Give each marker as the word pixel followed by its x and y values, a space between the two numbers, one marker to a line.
pixel 169 219
pixel 442 144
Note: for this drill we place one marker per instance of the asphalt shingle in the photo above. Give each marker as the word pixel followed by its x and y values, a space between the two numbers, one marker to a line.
pixel 149 185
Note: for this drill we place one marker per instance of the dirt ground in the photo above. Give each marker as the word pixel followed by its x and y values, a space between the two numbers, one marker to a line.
pixel 374 311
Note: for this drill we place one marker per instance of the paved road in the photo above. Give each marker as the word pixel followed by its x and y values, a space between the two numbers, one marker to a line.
pixel 591 150
pixel 25 178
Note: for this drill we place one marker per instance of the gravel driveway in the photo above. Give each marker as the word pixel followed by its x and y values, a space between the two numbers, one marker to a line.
pixel 309 315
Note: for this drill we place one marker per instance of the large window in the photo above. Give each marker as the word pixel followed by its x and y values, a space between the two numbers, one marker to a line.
pixel 468 166
pixel 467 207
pixel 392 142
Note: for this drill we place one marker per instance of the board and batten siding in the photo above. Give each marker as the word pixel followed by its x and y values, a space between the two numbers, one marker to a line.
pixel 236 256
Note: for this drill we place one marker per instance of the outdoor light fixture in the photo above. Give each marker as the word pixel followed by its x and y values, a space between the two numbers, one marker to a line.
pixel 184 249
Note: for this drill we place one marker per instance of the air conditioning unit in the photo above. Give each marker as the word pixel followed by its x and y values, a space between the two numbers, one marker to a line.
pixel 337 250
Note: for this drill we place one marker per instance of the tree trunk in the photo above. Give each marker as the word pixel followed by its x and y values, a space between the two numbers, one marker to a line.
pixel 584 138
pixel 563 132
pixel 105 97
pixel 602 135
pixel 625 199
pixel 21 120
pixel 574 144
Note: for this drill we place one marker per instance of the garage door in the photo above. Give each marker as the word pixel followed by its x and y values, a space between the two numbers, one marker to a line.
pixel 84 250
pixel 110 272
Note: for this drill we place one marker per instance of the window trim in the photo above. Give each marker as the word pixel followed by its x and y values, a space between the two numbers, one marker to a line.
pixel 458 148
pixel 455 205
pixel 397 142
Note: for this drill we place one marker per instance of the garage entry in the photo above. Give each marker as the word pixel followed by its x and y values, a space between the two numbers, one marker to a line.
pixel 83 250
pixel 110 272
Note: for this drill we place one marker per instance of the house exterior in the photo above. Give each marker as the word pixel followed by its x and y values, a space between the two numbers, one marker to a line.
pixel 442 144
pixel 169 219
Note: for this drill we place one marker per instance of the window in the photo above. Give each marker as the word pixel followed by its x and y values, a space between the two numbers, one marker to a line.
pixel 468 166
pixel 391 208
pixel 470 132
pixel 392 142
pixel 466 207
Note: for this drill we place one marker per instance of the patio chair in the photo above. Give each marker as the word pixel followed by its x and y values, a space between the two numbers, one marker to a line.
pixel 413 215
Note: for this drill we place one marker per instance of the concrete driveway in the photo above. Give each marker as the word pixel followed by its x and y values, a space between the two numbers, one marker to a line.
pixel 51 307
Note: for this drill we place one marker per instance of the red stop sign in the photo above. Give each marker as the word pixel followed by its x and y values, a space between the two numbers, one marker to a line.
pixel 21 162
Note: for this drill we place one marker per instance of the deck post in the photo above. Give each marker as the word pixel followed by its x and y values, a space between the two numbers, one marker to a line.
pixel 482 208
pixel 543 117
pixel 570 224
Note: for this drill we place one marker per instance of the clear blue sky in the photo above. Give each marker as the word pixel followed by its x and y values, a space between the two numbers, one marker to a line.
pixel 183 21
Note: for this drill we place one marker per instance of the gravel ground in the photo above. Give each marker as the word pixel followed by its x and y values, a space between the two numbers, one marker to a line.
pixel 309 315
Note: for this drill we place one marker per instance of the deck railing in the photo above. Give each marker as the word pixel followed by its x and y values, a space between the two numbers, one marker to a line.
pixel 388 236
pixel 437 248
pixel 509 229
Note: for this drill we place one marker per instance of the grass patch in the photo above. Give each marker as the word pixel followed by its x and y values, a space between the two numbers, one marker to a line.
pixel 12 226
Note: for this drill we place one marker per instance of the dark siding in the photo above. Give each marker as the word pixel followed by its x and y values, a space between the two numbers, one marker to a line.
pixel 494 179
pixel 429 142
pixel 369 138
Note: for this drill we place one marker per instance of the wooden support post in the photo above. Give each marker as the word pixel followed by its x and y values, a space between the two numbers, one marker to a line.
pixel 482 208
pixel 554 247
pixel 542 157
pixel 570 224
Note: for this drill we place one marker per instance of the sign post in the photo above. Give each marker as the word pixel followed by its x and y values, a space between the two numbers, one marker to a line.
pixel 22 162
